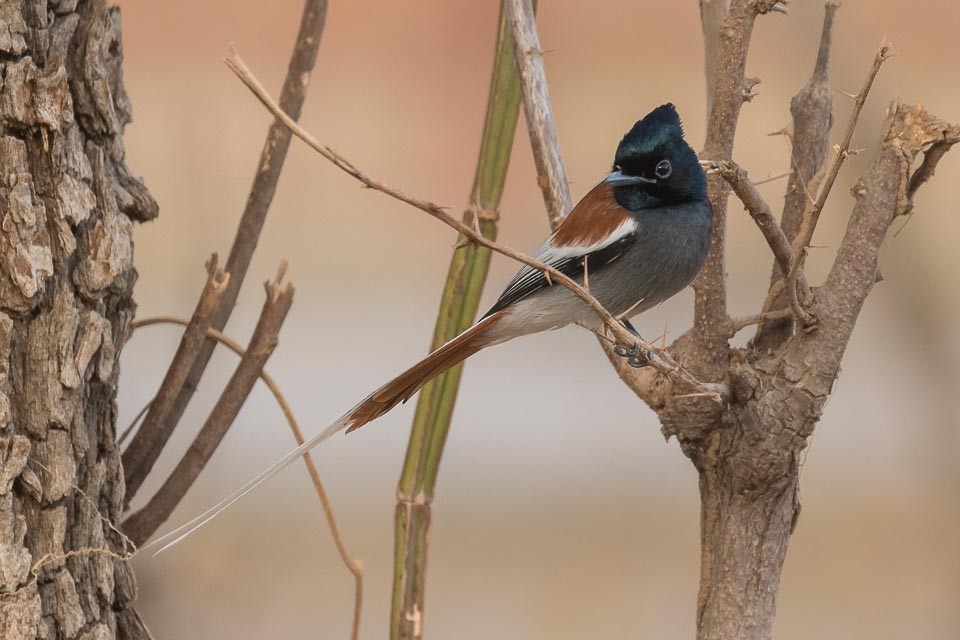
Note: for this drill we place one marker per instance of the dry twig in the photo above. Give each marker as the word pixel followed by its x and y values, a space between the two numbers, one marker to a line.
pixel 355 567
pixel 551 175
pixel 812 214
pixel 274 153
pixel 142 524
pixel 757 207
pixel 148 443
pixel 133 423
pixel 736 325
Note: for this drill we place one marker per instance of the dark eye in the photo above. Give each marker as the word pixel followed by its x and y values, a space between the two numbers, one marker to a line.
pixel 664 169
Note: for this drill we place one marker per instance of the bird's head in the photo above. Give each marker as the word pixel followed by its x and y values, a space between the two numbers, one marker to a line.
pixel 654 166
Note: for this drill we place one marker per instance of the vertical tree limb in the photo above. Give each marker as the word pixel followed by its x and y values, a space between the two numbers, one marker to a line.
pixel 144 522
pixel 712 13
pixel 749 469
pixel 551 175
pixel 272 157
pixel 812 119
pixel 146 446
pixel 731 89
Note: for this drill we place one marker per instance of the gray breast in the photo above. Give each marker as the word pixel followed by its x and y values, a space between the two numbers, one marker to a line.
pixel 671 246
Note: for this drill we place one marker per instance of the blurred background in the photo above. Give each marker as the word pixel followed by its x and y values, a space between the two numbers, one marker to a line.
pixel 562 513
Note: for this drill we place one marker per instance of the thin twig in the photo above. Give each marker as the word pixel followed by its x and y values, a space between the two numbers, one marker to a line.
pixel 133 423
pixel 812 215
pixel 774 177
pixel 931 157
pixel 551 175
pixel 270 165
pixel 355 567
pixel 757 207
pixel 736 325
pixel 148 443
pixel 663 361
pixel 142 524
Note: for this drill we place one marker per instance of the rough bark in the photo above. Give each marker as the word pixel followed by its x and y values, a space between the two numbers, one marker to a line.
pixel 749 459
pixel 67 208
pixel 747 448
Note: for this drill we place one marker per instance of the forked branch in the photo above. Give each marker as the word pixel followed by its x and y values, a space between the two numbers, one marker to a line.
pixel 812 214
pixel 144 522
pixel 149 441
pixel 270 165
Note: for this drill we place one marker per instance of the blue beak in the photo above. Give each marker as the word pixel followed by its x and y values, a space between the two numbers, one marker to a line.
pixel 619 179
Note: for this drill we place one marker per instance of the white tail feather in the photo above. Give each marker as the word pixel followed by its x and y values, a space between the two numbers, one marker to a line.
pixel 168 540
pixel 370 408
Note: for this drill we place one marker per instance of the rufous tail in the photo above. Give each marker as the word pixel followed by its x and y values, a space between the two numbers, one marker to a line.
pixel 398 390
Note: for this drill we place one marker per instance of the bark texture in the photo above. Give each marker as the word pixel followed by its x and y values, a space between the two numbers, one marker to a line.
pixel 67 208
pixel 746 441
pixel 748 452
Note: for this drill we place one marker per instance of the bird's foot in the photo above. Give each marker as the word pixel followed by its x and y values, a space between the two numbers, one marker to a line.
pixel 636 355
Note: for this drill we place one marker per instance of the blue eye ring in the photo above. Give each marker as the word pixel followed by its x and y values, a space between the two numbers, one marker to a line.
pixel 663 170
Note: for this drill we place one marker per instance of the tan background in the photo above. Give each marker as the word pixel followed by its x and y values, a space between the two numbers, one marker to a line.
pixel 562 513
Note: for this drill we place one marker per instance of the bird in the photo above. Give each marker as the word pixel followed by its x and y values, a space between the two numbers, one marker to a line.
pixel 639 237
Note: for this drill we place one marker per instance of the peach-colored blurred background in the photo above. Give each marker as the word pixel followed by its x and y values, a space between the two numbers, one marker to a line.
pixel 561 512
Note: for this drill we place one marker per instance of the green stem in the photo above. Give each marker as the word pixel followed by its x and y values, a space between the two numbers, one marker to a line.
pixel 458 309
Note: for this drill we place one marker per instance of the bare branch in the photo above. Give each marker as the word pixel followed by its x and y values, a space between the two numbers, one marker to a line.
pixel 925 171
pixel 773 178
pixel 133 423
pixel 757 207
pixel 355 567
pixel 149 441
pixel 662 361
pixel 551 175
pixel 142 524
pixel 272 157
pixel 882 194
pixel 712 13
pixel 812 113
pixel 812 214
pixel 730 91
pixel 812 119
pixel 736 325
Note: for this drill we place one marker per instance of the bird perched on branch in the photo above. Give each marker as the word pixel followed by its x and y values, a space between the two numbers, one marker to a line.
pixel 639 237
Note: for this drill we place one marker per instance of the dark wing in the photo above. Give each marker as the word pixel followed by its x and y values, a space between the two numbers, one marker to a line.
pixel 529 280
pixel 598 230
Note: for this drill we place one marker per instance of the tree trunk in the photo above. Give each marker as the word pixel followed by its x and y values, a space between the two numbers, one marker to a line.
pixel 67 207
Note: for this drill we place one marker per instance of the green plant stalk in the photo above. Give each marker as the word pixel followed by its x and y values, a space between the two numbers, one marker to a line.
pixel 458 309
